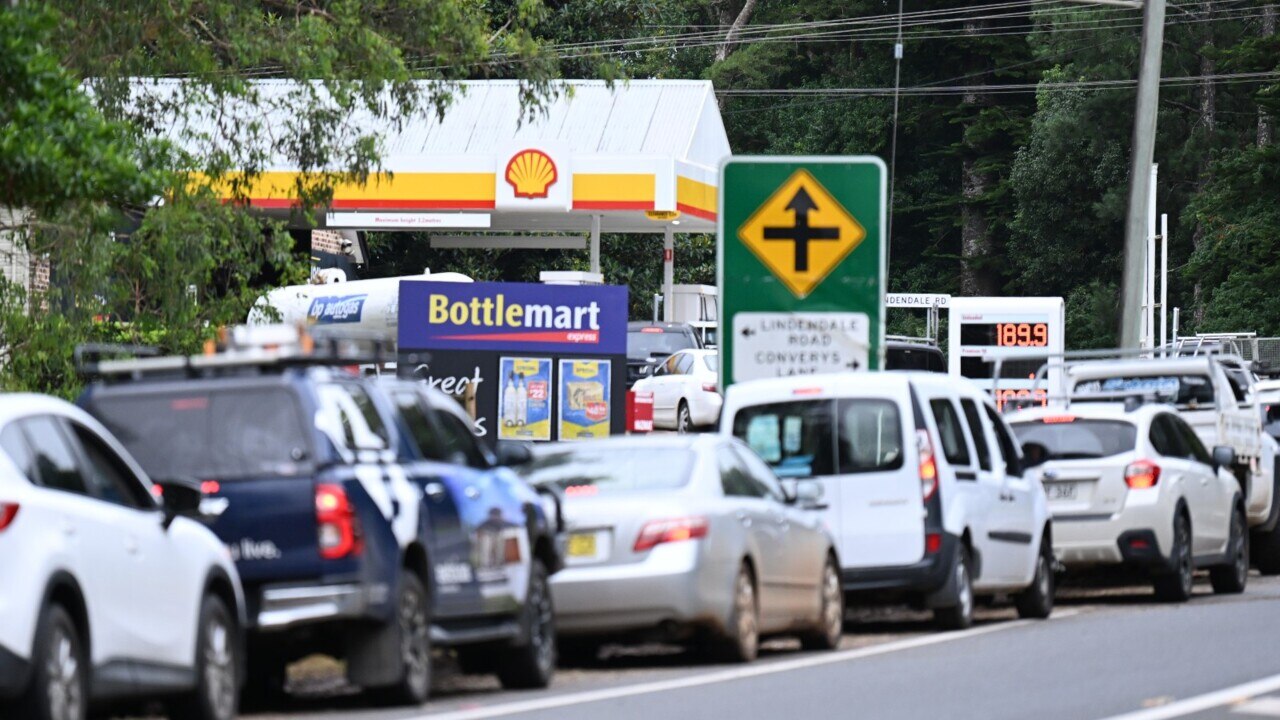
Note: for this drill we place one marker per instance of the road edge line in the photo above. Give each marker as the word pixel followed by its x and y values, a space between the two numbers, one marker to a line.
pixel 1207 701
pixel 589 696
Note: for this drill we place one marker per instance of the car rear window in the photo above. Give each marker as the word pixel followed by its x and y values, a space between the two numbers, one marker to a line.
pixel 1188 392
pixel 588 471
pixel 795 438
pixel 657 341
pixel 1068 438
pixel 711 361
pixel 224 434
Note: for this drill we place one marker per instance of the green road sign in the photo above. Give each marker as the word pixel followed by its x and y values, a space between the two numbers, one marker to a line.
pixel 800 258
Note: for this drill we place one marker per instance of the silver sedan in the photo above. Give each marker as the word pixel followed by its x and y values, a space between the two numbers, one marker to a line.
pixel 692 539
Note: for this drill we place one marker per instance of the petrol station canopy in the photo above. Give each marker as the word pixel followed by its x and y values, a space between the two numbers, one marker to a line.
pixel 628 157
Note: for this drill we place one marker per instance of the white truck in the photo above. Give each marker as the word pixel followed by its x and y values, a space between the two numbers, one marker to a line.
pixel 1215 395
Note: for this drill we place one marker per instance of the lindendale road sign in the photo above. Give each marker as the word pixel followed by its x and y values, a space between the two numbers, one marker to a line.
pixel 801 264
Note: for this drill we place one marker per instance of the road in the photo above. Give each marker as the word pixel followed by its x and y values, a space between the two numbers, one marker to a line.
pixel 1105 655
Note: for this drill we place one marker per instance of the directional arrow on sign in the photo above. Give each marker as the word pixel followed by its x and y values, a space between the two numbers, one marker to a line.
pixel 852 365
pixel 748 332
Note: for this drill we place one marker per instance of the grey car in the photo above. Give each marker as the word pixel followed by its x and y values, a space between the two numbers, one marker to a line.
pixel 689 538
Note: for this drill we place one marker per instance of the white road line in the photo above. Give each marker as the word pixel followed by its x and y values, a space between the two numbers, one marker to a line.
pixel 591 696
pixel 1266 707
pixel 1207 701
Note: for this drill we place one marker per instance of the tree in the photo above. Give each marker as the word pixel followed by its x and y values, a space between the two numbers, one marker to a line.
pixel 155 255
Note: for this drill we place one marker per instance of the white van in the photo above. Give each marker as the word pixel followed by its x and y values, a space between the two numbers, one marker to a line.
pixel 923 483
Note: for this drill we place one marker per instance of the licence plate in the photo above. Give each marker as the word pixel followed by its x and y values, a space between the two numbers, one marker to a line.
pixel 1061 491
pixel 582 545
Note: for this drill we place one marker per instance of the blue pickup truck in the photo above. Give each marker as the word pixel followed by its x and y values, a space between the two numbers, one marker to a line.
pixel 365 520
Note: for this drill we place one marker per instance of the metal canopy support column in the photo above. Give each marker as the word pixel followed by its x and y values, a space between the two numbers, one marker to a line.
pixel 595 243
pixel 668 272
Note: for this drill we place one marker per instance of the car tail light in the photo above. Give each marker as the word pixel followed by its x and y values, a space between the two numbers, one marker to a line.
pixel 932 542
pixel 928 466
pixel 674 530
pixel 337 528
pixel 8 511
pixel 1142 474
pixel 709 387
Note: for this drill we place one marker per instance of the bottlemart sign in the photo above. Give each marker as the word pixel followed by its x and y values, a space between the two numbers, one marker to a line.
pixel 801 263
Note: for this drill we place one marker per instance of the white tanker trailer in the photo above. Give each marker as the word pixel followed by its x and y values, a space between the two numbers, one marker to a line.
pixel 364 305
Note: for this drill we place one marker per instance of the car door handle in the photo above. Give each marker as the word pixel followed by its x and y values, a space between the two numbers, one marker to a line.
pixel 434 490
pixel 68 528
pixel 472 492
pixel 744 518
pixel 131 545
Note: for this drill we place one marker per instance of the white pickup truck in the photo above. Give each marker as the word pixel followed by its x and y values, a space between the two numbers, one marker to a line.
pixel 1214 394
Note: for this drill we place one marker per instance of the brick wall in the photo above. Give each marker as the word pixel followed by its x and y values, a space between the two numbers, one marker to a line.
pixel 326 241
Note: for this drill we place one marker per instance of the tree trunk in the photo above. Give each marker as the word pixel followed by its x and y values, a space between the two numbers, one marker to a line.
pixel 1209 121
pixel 744 16
pixel 975 227
pixel 1266 127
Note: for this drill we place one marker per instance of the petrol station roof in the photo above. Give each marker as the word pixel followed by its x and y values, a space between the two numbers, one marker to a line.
pixel 632 154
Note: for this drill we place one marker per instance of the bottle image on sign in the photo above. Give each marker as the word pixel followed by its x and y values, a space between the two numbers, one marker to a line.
pixel 531 173
pixel 525 405
pixel 801 233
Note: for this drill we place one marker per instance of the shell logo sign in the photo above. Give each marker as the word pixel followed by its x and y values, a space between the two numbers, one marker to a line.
pixel 531 173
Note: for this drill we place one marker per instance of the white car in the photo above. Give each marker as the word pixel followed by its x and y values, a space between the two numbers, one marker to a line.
pixel 927 498
pixel 1134 486
pixel 686 393
pixel 104 592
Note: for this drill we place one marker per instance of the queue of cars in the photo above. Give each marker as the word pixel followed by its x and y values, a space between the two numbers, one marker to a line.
pixel 359 517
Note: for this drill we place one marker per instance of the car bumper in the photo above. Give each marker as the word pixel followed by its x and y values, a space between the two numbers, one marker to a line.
pixel 674 584
pixel 281 607
pixel 704 410
pixel 14 673
pixel 1134 536
pixel 924 577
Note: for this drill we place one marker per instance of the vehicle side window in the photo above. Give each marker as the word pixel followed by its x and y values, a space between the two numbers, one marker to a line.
pixel 369 412
pixel 684 364
pixel 734 479
pixel 109 475
pixel 979 437
pixel 1166 438
pixel 759 473
pixel 1191 440
pixel 1012 464
pixel 340 404
pixel 869 436
pixel 14 444
pixel 459 441
pixel 425 435
pixel 953 444
pixel 669 366
pixel 54 456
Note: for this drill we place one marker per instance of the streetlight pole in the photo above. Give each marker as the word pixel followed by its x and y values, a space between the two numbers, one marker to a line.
pixel 1143 151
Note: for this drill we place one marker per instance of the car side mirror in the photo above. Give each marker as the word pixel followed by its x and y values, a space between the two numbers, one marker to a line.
pixel 1223 456
pixel 179 497
pixel 512 454
pixel 808 495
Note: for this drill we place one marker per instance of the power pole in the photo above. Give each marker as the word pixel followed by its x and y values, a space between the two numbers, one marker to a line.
pixel 1144 140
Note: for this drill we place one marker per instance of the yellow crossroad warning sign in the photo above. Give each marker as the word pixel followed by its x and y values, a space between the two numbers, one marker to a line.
pixel 801 233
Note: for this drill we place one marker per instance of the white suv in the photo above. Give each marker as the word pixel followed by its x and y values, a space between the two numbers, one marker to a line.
pixel 922 478
pixel 1135 486
pixel 105 593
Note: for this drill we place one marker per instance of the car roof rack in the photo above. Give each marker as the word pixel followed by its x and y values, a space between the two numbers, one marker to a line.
pixel 263 348
pixel 931 342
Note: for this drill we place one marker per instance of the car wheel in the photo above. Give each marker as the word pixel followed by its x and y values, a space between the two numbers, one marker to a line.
pixel 741 640
pixel 59 688
pixel 960 615
pixel 413 616
pixel 1036 601
pixel 684 420
pixel 830 626
pixel 532 663
pixel 1264 547
pixel 1232 577
pixel 1176 585
pixel 216 695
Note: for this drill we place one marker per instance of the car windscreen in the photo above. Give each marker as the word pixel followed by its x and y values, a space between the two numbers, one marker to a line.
pixel 1070 438
pixel 796 438
pixel 914 358
pixel 1187 392
pixel 641 344
pixel 224 434
pixel 583 470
